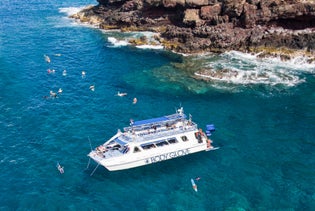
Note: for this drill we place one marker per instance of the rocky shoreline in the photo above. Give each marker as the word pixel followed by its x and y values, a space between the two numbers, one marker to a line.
pixel 274 27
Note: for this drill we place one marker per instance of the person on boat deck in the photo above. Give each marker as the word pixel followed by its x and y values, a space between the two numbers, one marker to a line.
pixel 101 148
pixel 209 143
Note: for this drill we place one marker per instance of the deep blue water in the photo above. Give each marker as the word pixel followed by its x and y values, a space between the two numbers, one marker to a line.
pixel 265 131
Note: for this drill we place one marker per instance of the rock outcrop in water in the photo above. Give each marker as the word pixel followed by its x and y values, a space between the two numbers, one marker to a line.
pixel 195 26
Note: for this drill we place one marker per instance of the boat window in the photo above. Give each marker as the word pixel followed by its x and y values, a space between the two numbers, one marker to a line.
pixel 148 146
pixel 184 138
pixel 161 143
pixel 136 149
pixel 172 141
pixel 125 149
pixel 116 146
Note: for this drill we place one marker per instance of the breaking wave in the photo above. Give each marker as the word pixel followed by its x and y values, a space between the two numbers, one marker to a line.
pixel 67 21
pixel 241 68
pixel 123 39
pixel 117 43
pixel 71 10
pixel 155 47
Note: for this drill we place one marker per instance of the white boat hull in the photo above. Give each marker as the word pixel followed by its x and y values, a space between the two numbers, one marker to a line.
pixel 151 141
pixel 127 162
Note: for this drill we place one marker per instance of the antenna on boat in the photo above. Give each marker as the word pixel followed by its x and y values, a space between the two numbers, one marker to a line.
pixel 180 111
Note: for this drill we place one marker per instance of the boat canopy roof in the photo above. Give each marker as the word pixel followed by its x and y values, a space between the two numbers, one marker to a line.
pixel 119 141
pixel 149 121
pixel 159 119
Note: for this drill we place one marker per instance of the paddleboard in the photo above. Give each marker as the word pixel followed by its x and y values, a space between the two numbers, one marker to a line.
pixel 214 148
pixel 194 186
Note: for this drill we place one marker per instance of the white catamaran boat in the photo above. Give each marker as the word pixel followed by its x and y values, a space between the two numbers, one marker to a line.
pixel 153 140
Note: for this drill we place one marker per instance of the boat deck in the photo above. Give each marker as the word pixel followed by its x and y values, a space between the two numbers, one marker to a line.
pixel 151 134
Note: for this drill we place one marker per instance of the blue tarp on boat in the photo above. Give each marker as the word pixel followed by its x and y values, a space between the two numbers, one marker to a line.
pixel 119 141
pixel 148 121
pixel 158 119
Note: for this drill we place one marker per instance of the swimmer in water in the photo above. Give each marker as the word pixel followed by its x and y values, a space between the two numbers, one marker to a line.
pixel 47 59
pixel 52 94
pixel 83 74
pixel 121 94
pixel 60 91
pixel 50 71
pixel 92 88
pixel 60 168
pixel 134 100
pixel 64 73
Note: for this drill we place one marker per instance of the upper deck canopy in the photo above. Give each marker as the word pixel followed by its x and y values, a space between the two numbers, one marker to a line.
pixel 159 119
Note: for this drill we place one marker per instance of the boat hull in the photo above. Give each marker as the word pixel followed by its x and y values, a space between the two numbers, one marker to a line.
pixel 127 162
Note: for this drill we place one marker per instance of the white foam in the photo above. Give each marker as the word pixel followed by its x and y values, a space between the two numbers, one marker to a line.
pixel 149 35
pixel 240 68
pixel 67 21
pixel 242 55
pixel 117 43
pixel 155 47
pixel 298 62
pixel 114 41
pixel 71 10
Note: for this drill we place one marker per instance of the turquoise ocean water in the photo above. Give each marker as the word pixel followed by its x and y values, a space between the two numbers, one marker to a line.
pixel 265 121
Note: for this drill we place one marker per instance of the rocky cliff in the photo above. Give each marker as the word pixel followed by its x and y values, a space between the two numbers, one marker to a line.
pixel 194 26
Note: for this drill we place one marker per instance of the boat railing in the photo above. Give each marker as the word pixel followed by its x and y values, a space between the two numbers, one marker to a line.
pixel 171 119
pixel 165 132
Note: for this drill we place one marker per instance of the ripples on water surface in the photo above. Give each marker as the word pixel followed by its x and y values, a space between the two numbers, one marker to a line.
pixel 264 115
